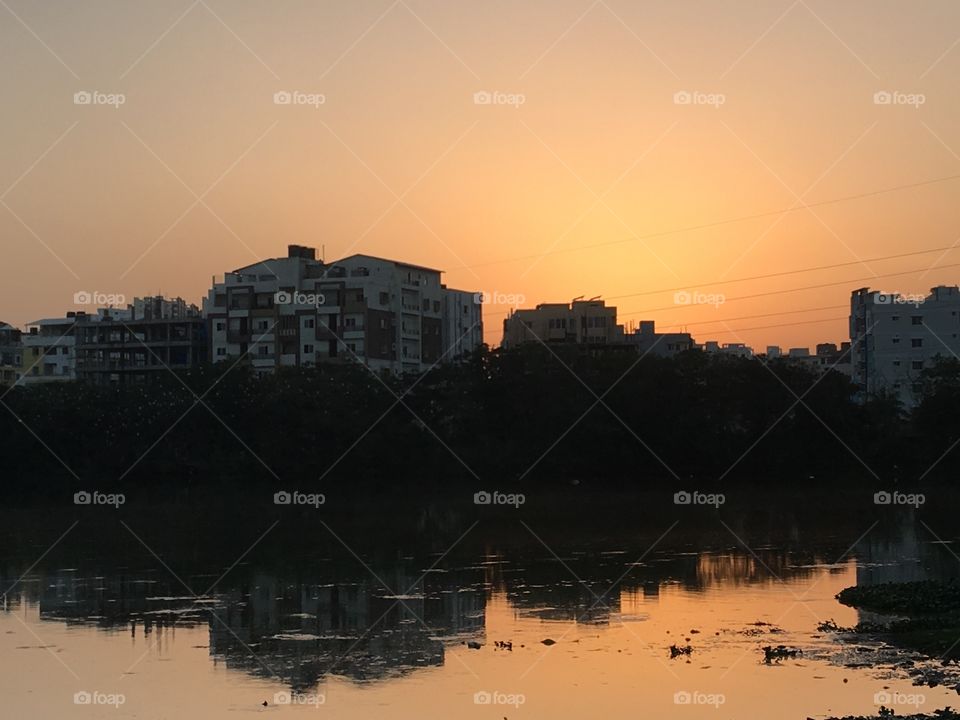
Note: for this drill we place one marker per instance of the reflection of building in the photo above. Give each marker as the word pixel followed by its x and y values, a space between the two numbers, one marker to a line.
pixel 584 322
pixel 300 311
pixel 895 337
pixel 11 350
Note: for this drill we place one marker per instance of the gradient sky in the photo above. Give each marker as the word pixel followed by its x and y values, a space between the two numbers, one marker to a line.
pixel 105 199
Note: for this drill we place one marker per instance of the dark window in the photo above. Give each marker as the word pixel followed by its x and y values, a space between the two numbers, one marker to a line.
pixel 916 320
pixel 916 342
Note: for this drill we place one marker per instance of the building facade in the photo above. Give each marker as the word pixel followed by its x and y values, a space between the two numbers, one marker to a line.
pixel 49 351
pixel 894 338
pixel 153 335
pixel 11 354
pixel 648 341
pixel 301 311
pixel 581 322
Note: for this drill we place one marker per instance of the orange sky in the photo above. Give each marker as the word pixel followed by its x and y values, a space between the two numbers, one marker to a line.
pixel 399 160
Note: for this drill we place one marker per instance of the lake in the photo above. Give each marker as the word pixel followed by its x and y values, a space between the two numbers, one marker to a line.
pixel 145 620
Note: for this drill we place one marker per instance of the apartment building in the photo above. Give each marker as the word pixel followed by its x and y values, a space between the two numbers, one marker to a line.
pixel 648 341
pixel 11 354
pixel 49 351
pixel 895 337
pixel 153 335
pixel 737 349
pixel 114 345
pixel 300 311
pixel 582 322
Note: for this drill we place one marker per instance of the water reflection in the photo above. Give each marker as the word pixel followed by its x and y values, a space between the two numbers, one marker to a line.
pixel 325 621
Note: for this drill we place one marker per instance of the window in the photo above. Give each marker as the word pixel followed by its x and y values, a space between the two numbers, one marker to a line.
pixel 895 318
pixel 350 322
pixel 219 325
pixel 308 349
pixel 916 342
pixel 436 306
pixel 359 296
pixel 896 363
pixel 916 320
pixel 426 305
pixel 221 351
pixel 917 365
pixel 384 298
pixel 895 339
pixel 383 323
pixel 263 349
pixel 308 323
pixel 352 347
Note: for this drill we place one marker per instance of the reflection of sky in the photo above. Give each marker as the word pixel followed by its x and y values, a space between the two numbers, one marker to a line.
pixel 349 640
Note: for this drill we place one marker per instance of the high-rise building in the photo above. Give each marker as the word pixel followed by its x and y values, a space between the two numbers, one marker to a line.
pixel 301 311
pixel 11 353
pixel 895 337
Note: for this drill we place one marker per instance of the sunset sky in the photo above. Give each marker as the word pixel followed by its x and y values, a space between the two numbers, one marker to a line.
pixel 595 184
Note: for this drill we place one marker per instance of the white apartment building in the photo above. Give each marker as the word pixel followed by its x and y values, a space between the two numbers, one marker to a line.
pixel 300 311
pixel 894 337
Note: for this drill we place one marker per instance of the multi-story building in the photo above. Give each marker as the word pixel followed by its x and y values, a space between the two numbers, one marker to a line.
pixel 648 341
pixel 11 354
pixel 582 322
pixel 895 337
pixel 300 311
pixel 49 350
pixel 151 336
pixel 741 350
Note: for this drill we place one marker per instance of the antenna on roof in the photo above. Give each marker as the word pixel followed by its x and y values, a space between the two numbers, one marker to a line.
pixel 595 297
pixel 578 297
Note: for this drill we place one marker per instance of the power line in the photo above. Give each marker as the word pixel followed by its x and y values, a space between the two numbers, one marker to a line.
pixel 717 223
pixel 753 317
pixel 784 273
